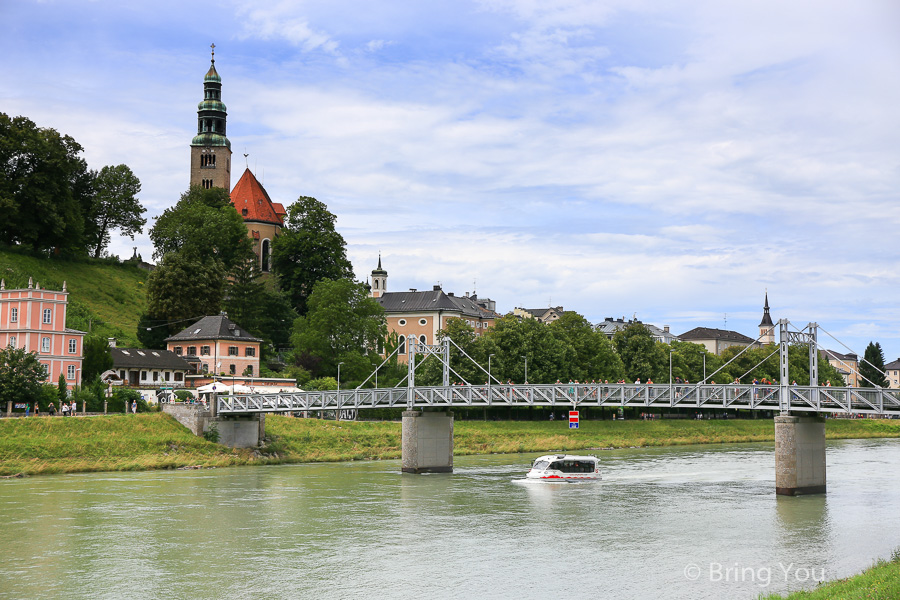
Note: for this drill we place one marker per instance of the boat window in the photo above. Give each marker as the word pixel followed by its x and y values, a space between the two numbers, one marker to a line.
pixel 577 466
pixel 540 465
pixel 556 465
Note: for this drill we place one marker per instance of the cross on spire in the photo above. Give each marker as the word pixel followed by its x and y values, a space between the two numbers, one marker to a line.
pixel 213 46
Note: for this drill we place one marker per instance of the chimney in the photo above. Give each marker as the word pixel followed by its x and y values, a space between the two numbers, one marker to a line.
pixel 666 328
pixel 436 288
pixel 112 342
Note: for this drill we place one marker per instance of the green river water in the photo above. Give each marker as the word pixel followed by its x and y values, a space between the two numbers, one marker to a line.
pixel 684 522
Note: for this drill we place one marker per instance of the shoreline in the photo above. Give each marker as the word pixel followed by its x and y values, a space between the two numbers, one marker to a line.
pixel 153 441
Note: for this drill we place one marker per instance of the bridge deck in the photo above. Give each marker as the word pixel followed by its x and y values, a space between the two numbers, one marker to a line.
pixel 746 397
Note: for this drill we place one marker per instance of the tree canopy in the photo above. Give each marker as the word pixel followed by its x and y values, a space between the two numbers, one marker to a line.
pixel 308 250
pixel 181 288
pixel 203 226
pixel 45 187
pixel 872 367
pixel 115 206
pixel 343 324
pixel 22 375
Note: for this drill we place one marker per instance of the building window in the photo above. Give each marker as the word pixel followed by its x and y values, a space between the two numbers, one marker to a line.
pixel 248 351
pixel 205 368
pixel 264 257
pixel 155 376
pixel 231 370
pixel 48 316
pixel 422 339
pixel 73 346
pixel 178 376
pixel 143 375
pixel 14 315
pixel 232 351
pixel 401 322
pixel 192 350
pixel 45 344
pixel 423 322
pixel 70 372
pixel 204 350
pixel 177 350
pixel 402 344
pixel 12 341
pixel 167 376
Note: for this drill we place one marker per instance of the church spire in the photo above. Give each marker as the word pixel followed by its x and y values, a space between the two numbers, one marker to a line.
pixel 379 280
pixel 210 149
pixel 766 326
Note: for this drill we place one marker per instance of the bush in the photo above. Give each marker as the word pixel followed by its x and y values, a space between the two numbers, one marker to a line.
pixel 212 434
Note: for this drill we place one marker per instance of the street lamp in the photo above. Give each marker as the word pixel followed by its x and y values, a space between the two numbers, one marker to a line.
pixel 704 367
pixel 670 374
pixel 339 376
pixel 526 368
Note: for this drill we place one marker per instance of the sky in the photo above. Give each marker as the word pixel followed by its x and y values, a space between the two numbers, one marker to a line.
pixel 671 161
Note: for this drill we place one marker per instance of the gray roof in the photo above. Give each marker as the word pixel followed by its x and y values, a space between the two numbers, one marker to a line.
pixel 141 358
pixel 540 313
pixel 831 354
pixel 219 327
pixel 433 300
pixel 610 326
pixel 893 365
pixel 708 333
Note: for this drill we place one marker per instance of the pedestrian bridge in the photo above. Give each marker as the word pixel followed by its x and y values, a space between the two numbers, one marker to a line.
pixel 800 399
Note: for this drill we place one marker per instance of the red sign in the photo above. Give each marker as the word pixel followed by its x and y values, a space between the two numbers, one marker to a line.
pixel 573 419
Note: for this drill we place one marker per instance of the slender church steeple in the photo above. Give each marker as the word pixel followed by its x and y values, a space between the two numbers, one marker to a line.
pixel 210 149
pixel 766 326
pixel 379 280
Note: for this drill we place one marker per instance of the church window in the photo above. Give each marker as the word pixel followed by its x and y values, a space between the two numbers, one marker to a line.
pixel 401 322
pixel 376 284
pixel 264 256
pixel 423 339
pixel 423 322
pixel 402 344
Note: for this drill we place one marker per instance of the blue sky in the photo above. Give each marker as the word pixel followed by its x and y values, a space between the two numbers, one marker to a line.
pixel 671 160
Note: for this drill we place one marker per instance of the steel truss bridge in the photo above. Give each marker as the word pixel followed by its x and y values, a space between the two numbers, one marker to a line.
pixel 774 397
pixel 808 399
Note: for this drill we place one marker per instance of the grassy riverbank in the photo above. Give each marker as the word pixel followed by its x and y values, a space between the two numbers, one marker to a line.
pixel 47 445
pixel 879 582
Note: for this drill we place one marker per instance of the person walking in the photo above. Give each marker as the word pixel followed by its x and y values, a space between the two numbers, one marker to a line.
pixel 52 410
pixel 134 407
pixel 37 409
pixel 74 410
pixel 27 409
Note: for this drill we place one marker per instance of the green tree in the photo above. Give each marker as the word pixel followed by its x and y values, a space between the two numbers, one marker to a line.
pixel 45 187
pixel 22 375
pixel 182 288
pixel 595 357
pixel 642 356
pixel 550 356
pixel 264 312
pixel 688 360
pixel 343 324
pixel 97 358
pixel 308 250
pixel 115 206
pixel 872 367
pixel 62 390
pixel 152 332
pixel 204 226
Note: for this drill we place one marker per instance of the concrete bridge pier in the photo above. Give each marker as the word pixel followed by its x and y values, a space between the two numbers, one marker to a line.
pixel 245 431
pixel 427 442
pixel 799 455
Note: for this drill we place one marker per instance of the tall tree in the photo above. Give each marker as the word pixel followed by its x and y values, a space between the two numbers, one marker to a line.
pixel 97 357
pixel 343 324
pixel 595 357
pixel 872 366
pixel 308 251
pixel 205 226
pixel 182 287
pixel 22 375
pixel 45 187
pixel 262 311
pixel 642 356
pixel 510 340
pixel 115 206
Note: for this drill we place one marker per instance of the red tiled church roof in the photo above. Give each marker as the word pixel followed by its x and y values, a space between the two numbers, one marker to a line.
pixel 253 203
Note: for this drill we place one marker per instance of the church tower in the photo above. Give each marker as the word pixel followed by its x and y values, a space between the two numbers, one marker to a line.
pixel 379 280
pixel 210 149
pixel 766 326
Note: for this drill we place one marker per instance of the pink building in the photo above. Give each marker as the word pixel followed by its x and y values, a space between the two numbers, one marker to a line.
pixel 35 319
pixel 219 345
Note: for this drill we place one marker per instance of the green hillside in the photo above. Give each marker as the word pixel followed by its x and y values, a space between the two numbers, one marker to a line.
pixel 105 299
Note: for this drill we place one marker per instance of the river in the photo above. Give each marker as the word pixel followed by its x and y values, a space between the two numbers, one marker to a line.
pixel 684 522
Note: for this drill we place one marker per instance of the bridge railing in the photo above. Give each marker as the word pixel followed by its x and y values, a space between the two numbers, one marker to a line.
pixel 709 396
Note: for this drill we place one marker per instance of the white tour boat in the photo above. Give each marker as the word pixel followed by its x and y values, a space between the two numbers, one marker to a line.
pixel 565 467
